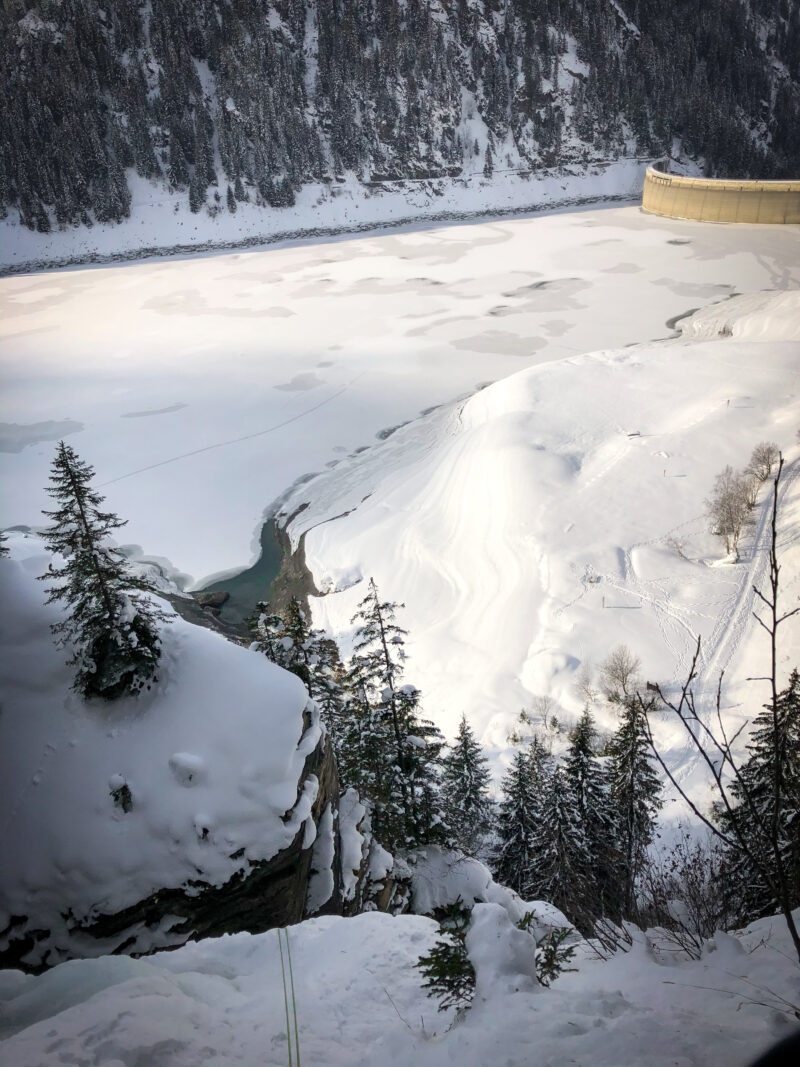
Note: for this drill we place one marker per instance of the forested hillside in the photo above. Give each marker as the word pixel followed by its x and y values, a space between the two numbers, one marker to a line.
pixel 234 100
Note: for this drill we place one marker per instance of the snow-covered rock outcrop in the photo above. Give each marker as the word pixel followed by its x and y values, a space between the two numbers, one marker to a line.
pixel 190 810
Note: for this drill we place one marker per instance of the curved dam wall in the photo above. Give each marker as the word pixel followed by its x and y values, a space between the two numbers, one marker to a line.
pixel 723 200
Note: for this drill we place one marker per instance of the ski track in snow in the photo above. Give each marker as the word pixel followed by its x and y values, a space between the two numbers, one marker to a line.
pixel 236 440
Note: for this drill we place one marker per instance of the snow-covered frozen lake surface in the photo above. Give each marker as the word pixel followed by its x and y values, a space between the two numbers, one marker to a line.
pixel 202 388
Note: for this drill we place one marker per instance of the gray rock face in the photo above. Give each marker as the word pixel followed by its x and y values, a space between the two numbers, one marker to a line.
pixel 269 894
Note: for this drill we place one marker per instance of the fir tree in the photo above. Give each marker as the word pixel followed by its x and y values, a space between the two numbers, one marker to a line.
pixel 112 627
pixel 635 797
pixel 310 654
pixel 767 792
pixel 398 751
pixel 516 827
pixel 465 789
pixel 561 858
pixel 266 629
pixel 447 970
pixel 590 787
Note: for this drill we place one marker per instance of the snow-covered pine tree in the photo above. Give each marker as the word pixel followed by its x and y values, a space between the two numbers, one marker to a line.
pixel 635 798
pixel 266 629
pixel 516 826
pixel 425 820
pixel 767 792
pixel 399 749
pixel 561 858
pixel 112 627
pixel 310 654
pixel 3 545
pixel 328 687
pixel 465 791
pixel 287 640
pixel 589 783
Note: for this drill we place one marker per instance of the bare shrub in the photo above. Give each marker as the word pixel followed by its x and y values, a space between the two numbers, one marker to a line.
pixel 683 892
pixel 619 674
pixel 764 457
pixel 676 544
pixel 727 508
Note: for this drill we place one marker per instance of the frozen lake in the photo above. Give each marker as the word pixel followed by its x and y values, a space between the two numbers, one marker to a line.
pixel 202 388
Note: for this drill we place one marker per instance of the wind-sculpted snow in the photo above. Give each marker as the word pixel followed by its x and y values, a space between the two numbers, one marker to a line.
pixel 559 513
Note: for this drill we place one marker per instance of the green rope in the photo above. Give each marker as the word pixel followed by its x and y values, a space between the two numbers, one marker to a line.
pixel 286 997
pixel 294 1001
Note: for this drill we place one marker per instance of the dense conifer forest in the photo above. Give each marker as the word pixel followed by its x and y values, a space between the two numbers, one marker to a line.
pixel 232 100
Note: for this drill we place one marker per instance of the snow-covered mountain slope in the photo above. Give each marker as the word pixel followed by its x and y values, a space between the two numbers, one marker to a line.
pixel 214 758
pixel 220 1003
pixel 560 512
pixel 201 389
pixel 255 106
pixel 161 221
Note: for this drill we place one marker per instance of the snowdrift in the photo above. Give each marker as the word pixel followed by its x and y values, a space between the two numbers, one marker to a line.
pixel 220 1003
pixel 560 512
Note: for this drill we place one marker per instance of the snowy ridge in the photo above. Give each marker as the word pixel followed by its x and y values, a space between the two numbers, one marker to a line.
pixel 207 799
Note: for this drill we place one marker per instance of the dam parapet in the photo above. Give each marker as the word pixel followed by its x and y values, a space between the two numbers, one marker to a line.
pixel 721 199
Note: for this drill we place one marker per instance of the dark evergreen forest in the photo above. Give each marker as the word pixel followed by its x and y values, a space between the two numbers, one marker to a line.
pixel 247 99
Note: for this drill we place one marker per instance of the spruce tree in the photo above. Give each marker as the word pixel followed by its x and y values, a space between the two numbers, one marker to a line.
pixel 590 787
pixel 310 654
pixel 561 858
pixel 635 798
pixel 398 751
pixel 112 627
pixel 516 826
pixel 465 790
pixel 767 795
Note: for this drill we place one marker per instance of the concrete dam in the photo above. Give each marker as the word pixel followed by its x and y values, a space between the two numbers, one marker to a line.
pixel 721 200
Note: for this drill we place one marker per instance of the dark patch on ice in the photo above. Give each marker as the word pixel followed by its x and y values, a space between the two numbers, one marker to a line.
pixel 15 436
pixel 192 302
pixel 679 241
pixel 154 411
pixel 623 268
pixel 301 382
pixel 382 435
pixel 672 324
pixel 325 363
pixel 501 343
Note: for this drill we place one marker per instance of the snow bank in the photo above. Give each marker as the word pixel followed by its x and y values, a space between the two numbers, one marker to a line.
pixel 212 755
pixel 161 222
pixel 441 877
pixel 359 1002
pixel 500 953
